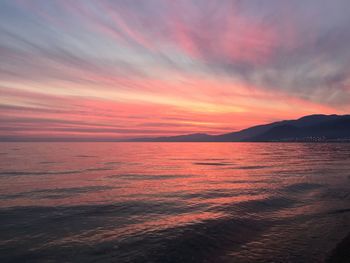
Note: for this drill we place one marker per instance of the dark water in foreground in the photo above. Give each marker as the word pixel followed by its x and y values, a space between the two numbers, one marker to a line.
pixel 172 202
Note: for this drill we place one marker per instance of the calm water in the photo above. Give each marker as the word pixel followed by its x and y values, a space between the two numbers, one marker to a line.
pixel 172 202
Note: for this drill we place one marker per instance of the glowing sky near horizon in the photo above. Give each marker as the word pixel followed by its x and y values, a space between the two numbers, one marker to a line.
pixel 137 68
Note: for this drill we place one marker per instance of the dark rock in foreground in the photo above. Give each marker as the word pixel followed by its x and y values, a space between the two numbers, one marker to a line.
pixel 341 254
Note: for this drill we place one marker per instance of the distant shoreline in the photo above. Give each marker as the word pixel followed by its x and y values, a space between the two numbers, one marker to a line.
pixel 316 128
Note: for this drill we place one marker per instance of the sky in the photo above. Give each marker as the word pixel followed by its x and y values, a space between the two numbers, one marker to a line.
pixel 147 68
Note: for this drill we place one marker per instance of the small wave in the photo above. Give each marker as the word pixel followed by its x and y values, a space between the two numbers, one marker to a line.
pixel 20 173
pixel 57 193
pixel 112 163
pixel 24 173
pixel 213 163
pixel 48 162
pixel 263 181
pixel 98 169
pixel 340 211
pixel 209 194
pixel 269 204
pixel 337 193
pixel 215 159
pixel 302 187
pixel 250 167
pixel 203 240
pixel 206 241
pixel 147 176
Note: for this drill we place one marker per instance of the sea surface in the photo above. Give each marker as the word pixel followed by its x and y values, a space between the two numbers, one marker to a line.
pixel 173 202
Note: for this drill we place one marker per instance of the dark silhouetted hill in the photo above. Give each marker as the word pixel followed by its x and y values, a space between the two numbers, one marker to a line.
pixel 311 128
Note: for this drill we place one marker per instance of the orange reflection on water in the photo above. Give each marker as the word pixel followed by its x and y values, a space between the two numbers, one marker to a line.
pixel 130 195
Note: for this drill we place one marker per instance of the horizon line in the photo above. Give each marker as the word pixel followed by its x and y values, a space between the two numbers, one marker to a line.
pixel 135 139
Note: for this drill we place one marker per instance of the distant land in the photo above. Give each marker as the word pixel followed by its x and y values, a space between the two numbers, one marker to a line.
pixel 312 128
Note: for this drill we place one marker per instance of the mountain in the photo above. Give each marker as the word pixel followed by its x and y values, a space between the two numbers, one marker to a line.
pixel 308 128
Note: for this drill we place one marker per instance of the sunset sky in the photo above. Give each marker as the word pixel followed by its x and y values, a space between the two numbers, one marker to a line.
pixel 123 69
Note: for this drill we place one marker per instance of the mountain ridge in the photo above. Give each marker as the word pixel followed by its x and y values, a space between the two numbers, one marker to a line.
pixel 310 128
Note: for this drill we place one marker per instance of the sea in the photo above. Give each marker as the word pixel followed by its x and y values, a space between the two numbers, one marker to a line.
pixel 173 202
